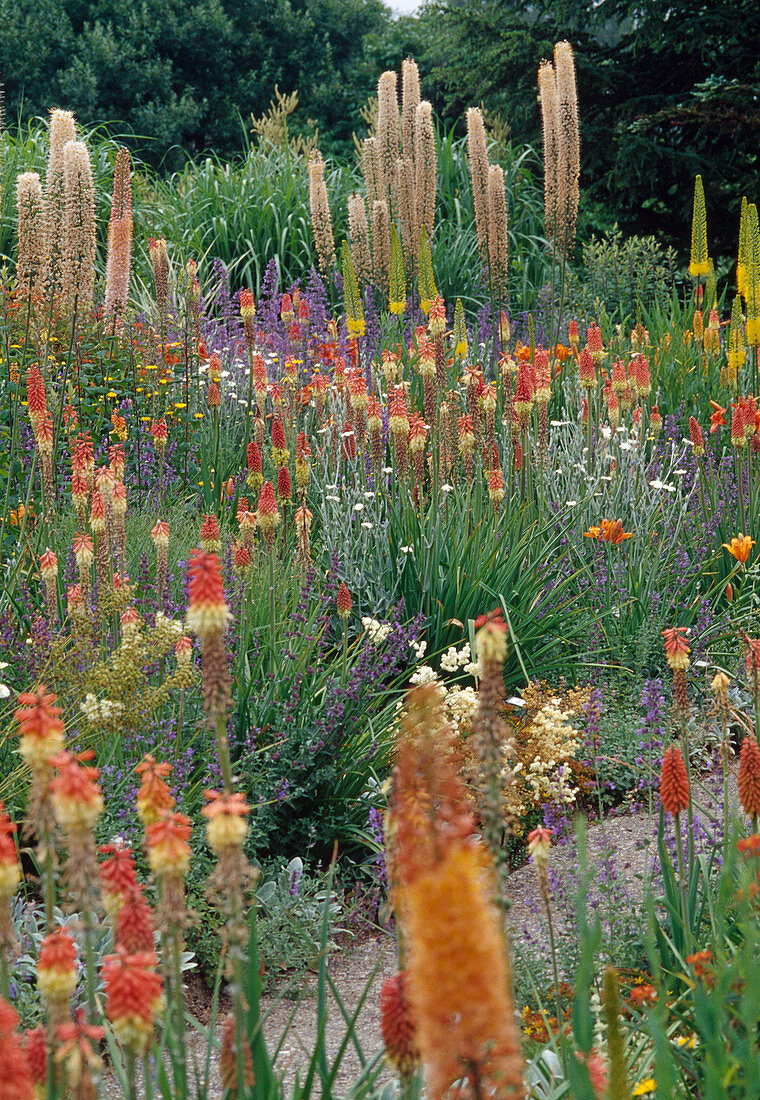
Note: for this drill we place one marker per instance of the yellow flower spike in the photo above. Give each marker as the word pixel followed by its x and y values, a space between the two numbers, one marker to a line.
pixel 426 278
pixel 460 330
pixel 741 263
pixel 352 297
pixel 739 547
pixel 752 295
pixel 736 349
pixel 699 260
pixel 397 303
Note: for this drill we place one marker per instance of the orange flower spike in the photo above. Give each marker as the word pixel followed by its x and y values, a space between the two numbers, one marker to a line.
pixel 697 438
pixel 134 922
pixel 154 796
pixel 749 777
pixel 35 1051
pixel 740 547
pixel 674 782
pixel 268 513
pixel 134 997
pixel 15 1076
pixel 676 648
pixel 168 848
pixel 539 846
pixel 459 979
pixel 117 875
pixel 78 1052
pixel 210 540
pixel 207 611
pixel 226 815
pixel 397 1025
pixel 10 873
pixel 343 601
pixel 40 727
pixel 57 967
pixel 76 797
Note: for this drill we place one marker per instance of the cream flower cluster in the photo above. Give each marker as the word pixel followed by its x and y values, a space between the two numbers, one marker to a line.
pixel 454 659
pixel 548 775
pixel 100 710
pixel 377 631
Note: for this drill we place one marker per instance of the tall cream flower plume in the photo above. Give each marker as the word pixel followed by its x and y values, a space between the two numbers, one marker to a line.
pixel 78 268
pixel 119 257
pixel 30 266
pixel 61 130
pixel 321 218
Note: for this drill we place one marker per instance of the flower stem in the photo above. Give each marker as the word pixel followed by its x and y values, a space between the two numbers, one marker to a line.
pixel 682 885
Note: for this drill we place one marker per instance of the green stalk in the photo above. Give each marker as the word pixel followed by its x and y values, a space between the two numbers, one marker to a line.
pixel 131 1076
pixel 12 459
pixel 740 492
pixel 345 652
pixel 555 965
pixel 223 748
pixel 89 962
pixel 750 493
pixel 272 622
pixel 702 488
pixel 178 1014
pixel 250 403
pixel 682 884
pixel 4 983
pixel 180 715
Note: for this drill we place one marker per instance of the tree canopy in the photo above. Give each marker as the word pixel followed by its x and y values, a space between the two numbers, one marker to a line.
pixel 184 77
pixel 666 88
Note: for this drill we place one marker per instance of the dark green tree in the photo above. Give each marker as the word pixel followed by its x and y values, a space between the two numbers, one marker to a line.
pixel 184 76
pixel 666 90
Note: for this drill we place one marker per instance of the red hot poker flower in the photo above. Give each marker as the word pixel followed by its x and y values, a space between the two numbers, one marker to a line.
pixel 154 796
pixel 207 611
pixel 15 1076
pixel 749 777
pixel 397 1025
pixel 40 726
pixel 674 782
pixel 676 648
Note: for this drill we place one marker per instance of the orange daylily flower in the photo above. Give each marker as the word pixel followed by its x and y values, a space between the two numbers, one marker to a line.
pixel 717 420
pixel 739 547
pixel 610 531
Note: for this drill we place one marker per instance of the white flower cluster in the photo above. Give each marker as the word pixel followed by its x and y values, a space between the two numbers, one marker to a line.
pixel 423 675
pixel 100 710
pixel 377 632
pixel 171 626
pixel 4 689
pixel 461 704
pixel 454 659
pixel 549 775
pixel 419 649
